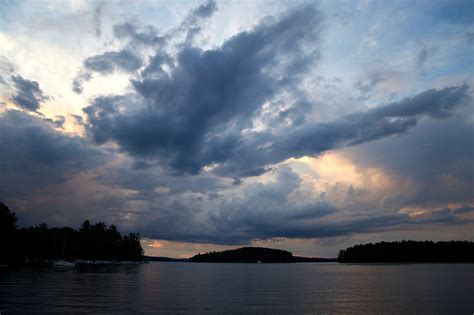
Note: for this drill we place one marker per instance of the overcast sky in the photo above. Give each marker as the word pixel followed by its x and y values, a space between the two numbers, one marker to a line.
pixel 306 126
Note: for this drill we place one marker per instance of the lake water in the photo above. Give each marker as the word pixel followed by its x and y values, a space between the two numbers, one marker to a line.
pixel 224 288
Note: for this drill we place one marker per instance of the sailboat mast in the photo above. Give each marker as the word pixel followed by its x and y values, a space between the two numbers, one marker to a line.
pixel 64 247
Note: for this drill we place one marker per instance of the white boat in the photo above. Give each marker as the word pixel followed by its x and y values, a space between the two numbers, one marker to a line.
pixel 63 263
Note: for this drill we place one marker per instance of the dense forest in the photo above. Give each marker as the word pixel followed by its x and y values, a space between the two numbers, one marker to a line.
pixel 246 255
pixel 409 251
pixel 90 242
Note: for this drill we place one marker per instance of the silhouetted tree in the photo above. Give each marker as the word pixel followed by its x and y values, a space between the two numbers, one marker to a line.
pixel 7 219
pixel 89 242
pixel 8 252
pixel 85 226
pixel 130 248
pixel 409 251
pixel 246 255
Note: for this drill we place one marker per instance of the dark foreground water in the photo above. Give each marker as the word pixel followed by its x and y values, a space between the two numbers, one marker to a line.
pixel 223 288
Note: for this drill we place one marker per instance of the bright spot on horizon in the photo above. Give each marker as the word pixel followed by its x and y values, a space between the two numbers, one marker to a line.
pixel 155 244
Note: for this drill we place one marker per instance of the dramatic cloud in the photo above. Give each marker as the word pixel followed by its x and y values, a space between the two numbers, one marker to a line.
pixel 28 93
pixel 188 144
pixel 437 157
pixel 195 115
pixel 34 155
pixel 240 123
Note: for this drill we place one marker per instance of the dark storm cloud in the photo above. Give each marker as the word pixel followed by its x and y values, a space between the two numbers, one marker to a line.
pixel 33 155
pixel 279 207
pixel 437 156
pixel 197 114
pixel 196 111
pixel 432 103
pixel 257 210
pixel 247 157
pixel 28 93
pixel 395 118
pixel 242 225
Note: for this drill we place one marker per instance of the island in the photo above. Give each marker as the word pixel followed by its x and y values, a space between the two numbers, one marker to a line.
pixel 410 252
pixel 255 255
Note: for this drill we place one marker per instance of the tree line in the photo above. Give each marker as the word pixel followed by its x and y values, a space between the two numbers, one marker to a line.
pixel 90 242
pixel 246 255
pixel 409 251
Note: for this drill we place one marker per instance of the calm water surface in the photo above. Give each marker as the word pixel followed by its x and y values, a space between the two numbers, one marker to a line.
pixel 263 288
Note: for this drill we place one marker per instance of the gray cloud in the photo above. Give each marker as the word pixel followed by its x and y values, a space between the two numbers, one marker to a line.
pixel 105 64
pixel 191 26
pixel 195 115
pixel 205 208
pixel 28 93
pixel 437 156
pixel 127 60
pixel 167 137
pixel 57 122
pixel 109 62
pixel 77 83
pixel 255 211
pixel 222 115
pixel 33 155
pixel 147 36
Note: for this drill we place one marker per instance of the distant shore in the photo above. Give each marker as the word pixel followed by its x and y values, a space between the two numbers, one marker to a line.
pixel 409 252
pixel 255 255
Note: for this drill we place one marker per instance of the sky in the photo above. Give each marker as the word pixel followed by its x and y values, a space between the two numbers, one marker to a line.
pixel 308 126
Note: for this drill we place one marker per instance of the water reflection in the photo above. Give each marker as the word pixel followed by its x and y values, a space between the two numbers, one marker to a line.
pixel 282 288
